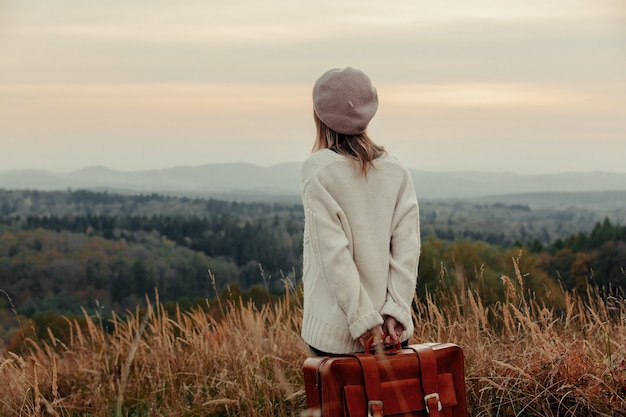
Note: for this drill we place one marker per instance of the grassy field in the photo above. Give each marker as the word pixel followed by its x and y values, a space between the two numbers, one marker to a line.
pixel 231 358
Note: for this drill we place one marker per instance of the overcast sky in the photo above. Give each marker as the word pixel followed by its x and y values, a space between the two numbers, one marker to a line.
pixel 530 86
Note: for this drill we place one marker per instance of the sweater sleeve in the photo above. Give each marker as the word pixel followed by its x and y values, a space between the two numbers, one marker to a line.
pixel 404 258
pixel 331 248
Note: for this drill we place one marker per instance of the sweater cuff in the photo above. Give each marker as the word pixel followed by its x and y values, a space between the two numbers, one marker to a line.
pixel 365 323
pixel 401 316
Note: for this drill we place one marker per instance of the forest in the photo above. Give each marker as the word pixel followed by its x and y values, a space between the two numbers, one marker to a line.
pixel 64 251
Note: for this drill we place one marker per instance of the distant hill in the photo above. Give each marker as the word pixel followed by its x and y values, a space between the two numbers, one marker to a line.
pixel 244 179
pixel 600 201
pixel 467 185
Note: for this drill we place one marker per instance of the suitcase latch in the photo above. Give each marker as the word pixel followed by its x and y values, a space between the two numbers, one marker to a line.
pixel 431 396
pixel 374 409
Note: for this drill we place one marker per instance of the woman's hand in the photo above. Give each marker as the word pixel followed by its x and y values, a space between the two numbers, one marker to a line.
pixel 393 329
pixel 377 332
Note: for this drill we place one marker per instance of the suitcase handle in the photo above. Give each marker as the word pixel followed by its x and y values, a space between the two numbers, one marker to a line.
pixel 389 349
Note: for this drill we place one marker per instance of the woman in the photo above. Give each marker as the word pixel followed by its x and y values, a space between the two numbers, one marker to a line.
pixel 361 234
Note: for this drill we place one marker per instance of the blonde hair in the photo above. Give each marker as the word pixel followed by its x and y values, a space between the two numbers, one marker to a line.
pixel 360 148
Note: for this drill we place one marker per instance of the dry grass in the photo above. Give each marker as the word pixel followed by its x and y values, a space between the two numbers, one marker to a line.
pixel 526 359
pixel 522 359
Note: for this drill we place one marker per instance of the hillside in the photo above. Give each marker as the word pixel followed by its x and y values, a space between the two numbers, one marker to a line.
pixel 500 219
pixel 61 249
pixel 248 181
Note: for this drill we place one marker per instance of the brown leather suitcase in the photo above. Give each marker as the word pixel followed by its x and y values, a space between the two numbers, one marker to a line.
pixel 425 380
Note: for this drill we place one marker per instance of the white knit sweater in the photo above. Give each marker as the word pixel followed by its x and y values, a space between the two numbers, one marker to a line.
pixel 361 249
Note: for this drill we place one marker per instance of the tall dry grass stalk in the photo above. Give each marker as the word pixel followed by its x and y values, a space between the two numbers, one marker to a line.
pixel 523 358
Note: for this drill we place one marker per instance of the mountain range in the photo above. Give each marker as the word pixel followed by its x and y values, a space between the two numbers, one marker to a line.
pixel 283 180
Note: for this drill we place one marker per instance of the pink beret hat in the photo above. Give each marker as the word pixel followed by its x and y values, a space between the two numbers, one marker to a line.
pixel 345 100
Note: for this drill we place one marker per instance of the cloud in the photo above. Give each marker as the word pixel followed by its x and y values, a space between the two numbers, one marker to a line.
pixel 160 41
pixel 491 95
pixel 72 108
pixel 148 106
pixel 117 73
